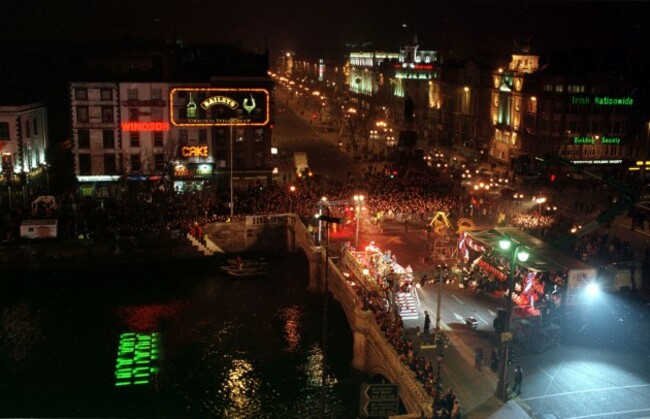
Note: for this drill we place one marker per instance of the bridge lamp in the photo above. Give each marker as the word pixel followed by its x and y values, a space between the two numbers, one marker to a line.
pixel 358 204
pixel 518 254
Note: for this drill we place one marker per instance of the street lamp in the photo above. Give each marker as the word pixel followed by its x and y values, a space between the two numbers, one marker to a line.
pixel 322 203
pixel 46 167
pixel 292 189
pixel 358 206
pixel 518 253
pixel 326 219
pixel 442 269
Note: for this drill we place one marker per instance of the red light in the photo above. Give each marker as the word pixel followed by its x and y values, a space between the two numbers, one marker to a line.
pixel 145 126
pixel 553 177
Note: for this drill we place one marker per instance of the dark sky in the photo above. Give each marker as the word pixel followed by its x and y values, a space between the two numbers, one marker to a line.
pixel 466 26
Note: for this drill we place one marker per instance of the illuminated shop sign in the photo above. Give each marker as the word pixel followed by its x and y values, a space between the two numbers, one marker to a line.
pixel 134 103
pixel 144 126
pixel 138 359
pixel 193 171
pixel 602 101
pixel 596 161
pixel 414 66
pixel 195 106
pixel 590 140
pixel 610 140
pixel 98 178
pixel 194 151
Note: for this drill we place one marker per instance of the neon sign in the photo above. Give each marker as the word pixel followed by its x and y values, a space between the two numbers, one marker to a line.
pixel 590 140
pixel 145 126
pixel 138 359
pixel 602 101
pixel 219 106
pixel 219 100
pixel 194 151
pixel 610 140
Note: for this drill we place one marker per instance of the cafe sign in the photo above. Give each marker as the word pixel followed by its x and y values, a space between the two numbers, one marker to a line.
pixel 209 107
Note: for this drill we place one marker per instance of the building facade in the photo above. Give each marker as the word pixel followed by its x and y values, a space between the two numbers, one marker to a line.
pixel 127 133
pixel 23 148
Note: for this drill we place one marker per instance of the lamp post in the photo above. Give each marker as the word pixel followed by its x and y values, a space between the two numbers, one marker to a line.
pixel 46 168
pixel 439 358
pixel 322 203
pixel 358 206
pixel 232 201
pixel 327 220
pixel 539 201
pixel 292 189
pixel 442 269
pixel 518 253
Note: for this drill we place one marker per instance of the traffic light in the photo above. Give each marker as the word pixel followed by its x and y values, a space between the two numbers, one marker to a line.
pixel 552 177
pixel 511 355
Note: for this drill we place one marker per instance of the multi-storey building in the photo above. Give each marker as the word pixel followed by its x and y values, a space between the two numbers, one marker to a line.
pixel 578 110
pixel 196 131
pixel 23 146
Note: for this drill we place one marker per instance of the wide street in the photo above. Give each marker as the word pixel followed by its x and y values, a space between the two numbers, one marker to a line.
pixel 601 369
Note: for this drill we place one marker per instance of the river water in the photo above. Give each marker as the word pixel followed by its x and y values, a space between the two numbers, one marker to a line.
pixel 229 348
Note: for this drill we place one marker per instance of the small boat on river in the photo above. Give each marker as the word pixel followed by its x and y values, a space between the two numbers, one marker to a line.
pixel 244 271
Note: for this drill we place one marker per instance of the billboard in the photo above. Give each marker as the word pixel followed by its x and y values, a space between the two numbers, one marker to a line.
pixel 209 106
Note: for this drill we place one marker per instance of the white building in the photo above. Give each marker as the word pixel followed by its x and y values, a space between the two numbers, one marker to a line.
pixel 23 143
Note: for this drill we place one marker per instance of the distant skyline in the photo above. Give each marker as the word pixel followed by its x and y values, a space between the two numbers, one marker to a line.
pixel 302 25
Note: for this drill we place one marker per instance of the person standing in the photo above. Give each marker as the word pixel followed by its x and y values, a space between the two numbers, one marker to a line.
pixel 519 376
pixel 427 322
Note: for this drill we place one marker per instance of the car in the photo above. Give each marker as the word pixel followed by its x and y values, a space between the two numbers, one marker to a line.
pixel 471 322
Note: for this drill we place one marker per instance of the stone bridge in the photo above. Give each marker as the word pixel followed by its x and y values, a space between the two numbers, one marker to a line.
pixel 373 354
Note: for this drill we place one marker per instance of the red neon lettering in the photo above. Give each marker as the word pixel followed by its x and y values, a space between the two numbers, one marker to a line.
pixel 145 126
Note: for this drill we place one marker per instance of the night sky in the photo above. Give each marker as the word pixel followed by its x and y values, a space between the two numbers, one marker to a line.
pixel 465 26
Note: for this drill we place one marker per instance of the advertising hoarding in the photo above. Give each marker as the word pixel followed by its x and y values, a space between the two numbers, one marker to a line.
pixel 209 106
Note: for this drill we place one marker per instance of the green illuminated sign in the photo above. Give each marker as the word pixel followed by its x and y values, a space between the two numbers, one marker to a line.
pixel 138 358
pixel 602 101
pixel 590 140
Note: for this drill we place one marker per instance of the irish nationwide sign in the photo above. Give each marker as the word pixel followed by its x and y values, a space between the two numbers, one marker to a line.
pixel 379 400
